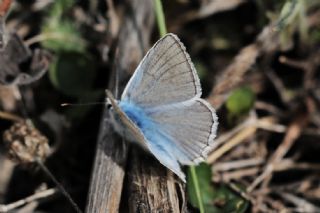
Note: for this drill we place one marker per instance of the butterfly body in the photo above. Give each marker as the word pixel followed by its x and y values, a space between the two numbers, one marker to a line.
pixel 161 108
pixel 138 117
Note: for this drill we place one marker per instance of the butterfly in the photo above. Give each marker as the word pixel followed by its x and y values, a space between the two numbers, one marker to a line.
pixel 161 108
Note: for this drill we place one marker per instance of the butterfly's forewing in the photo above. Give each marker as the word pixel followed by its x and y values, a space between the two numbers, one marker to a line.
pixel 166 75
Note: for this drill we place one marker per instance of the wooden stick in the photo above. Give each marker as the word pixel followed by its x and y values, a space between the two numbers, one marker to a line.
pixel 151 187
pixel 108 172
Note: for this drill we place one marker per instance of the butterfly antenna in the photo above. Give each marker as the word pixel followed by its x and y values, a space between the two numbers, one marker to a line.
pixel 82 104
pixel 117 84
pixel 116 72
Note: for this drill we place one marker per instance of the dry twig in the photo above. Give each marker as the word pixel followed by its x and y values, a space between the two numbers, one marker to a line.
pixel 293 132
pixel 34 197
pixel 239 138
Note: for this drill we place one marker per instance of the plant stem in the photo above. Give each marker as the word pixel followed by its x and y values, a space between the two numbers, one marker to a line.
pixel 160 18
pixel 195 181
pixel 60 187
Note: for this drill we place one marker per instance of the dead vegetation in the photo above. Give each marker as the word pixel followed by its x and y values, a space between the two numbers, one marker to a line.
pixel 258 62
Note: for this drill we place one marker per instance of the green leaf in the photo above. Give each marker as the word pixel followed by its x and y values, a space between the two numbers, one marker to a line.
pixel 199 179
pixel 240 101
pixel 72 73
pixel 59 33
pixel 288 12
pixel 315 35
pixel 213 198
pixel 293 18
pixel 62 36
pixel 59 7
pixel 226 200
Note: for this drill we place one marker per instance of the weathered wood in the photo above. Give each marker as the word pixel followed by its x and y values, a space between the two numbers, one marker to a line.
pixel 111 152
pixel 108 172
pixel 151 187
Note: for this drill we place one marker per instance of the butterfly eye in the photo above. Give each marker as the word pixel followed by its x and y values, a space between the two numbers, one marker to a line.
pixel 109 106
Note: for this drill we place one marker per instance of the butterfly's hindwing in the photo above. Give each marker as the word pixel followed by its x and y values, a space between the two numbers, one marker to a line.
pixel 190 125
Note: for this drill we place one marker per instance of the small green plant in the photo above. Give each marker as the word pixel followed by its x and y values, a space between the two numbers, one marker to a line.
pixel 72 73
pixel 211 198
pixel 240 101
pixel 59 33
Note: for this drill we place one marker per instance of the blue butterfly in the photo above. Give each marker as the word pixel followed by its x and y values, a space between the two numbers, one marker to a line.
pixel 161 108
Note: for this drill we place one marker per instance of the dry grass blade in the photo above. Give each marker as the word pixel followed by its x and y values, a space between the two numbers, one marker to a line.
pixel 293 132
pixel 233 74
pixel 31 198
pixel 258 62
pixel 239 138
pixel 302 205
pixel 215 6
pixel 10 116
pixel 236 140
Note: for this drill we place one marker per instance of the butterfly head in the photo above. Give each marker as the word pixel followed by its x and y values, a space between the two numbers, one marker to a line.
pixel 111 101
pixel 109 104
